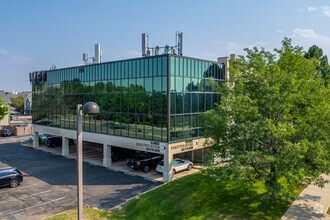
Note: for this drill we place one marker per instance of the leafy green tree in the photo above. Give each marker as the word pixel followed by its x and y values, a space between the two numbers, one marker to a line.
pixel 18 102
pixel 273 121
pixel 317 53
pixel 3 109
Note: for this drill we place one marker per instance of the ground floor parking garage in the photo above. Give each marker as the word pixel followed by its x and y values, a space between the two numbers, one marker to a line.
pixel 113 151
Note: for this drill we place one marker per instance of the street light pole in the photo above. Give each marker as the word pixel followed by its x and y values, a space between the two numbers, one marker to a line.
pixel 89 107
pixel 79 162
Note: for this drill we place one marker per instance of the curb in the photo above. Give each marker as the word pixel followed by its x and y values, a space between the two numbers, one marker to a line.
pixel 123 203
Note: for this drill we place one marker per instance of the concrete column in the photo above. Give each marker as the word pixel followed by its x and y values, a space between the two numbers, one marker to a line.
pixel 168 166
pixel 192 156
pixel 107 161
pixel 225 60
pixel 35 139
pixel 65 146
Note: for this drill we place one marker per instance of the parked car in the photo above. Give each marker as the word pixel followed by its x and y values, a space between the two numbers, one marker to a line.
pixel 6 133
pixel 144 161
pixel 56 141
pixel 178 165
pixel 10 176
pixel 41 136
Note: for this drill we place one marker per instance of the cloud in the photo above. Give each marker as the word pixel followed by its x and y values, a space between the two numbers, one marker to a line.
pixel 219 42
pixel 232 47
pixel 3 51
pixel 210 56
pixel 308 37
pixel 311 8
pixel 132 53
pixel 261 43
pixel 21 60
pixel 17 60
pixel 326 10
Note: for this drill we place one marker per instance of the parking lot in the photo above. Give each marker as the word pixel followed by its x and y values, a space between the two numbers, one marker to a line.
pixel 49 185
pixel 93 154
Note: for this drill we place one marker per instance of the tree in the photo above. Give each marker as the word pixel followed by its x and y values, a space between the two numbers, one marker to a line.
pixel 317 53
pixel 273 121
pixel 18 102
pixel 3 109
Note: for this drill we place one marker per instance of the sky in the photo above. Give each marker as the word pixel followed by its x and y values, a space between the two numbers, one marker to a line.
pixel 36 34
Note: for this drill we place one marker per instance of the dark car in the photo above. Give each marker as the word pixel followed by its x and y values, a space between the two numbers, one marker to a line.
pixel 144 161
pixel 55 141
pixel 6 133
pixel 10 176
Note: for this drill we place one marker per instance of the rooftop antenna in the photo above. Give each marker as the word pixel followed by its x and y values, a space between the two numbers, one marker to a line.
pixel 180 41
pixel 145 44
pixel 96 58
pixel 177 49
pixel 85 58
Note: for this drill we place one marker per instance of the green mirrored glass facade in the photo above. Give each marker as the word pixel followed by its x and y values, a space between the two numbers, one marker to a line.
pixel 137 97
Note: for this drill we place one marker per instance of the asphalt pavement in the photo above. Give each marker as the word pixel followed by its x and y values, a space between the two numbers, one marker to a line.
pixel 49 185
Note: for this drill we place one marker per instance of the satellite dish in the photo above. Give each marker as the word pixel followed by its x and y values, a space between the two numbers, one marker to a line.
pixel 53 67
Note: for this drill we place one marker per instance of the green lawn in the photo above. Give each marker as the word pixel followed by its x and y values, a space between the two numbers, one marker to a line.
pixel 199 197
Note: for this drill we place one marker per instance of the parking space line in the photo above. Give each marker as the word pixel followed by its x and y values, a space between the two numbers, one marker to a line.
pixel 21 188
pixel 45 203
pixel 27 196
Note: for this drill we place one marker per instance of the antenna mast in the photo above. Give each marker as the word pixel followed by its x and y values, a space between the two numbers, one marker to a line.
pixel 154 51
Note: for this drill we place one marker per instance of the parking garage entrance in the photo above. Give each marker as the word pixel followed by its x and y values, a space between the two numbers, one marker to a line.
pixel 114 152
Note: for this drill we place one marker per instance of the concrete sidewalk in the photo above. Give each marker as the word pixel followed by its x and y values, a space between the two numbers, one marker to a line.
pixel 312 203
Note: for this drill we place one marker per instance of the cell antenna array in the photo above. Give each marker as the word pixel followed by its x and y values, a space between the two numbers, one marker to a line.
pixel 154 51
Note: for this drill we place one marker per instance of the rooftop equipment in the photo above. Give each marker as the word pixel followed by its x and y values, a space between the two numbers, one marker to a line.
pixel 96 58
pixel 167 49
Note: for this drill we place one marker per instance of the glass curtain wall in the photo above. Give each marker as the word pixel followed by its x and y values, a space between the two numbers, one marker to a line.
pixel 192 93
pixel 132 95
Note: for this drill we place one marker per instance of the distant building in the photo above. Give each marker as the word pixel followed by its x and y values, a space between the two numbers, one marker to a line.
pixel 28 104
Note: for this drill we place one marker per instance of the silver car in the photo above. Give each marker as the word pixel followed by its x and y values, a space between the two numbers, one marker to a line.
pixel 43 137
pixel 178 165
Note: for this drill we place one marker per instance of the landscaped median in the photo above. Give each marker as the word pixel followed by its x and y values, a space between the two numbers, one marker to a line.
pixel 195 197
